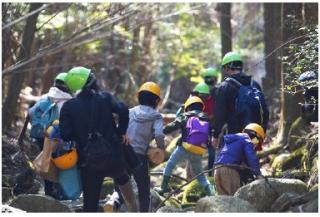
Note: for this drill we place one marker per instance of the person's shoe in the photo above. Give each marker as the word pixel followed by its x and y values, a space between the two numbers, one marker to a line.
pixel 164 186
pixel 129 196
pixel 113 204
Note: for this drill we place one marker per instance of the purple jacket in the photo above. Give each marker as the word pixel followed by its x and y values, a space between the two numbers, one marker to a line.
pixel 237 148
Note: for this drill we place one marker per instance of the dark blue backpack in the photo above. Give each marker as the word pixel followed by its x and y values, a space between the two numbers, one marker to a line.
pixel 42 114
pixel 250 104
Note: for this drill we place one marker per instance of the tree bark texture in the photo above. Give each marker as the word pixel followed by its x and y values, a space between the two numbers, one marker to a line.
pixel 225 28
pixel 16 81
pixel 272 40
pixel 311 13
pixel 292 20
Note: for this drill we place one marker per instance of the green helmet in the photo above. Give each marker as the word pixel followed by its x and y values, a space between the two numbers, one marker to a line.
pixel 231 57
pixel 202 88
pixel 61 76
pixel 77 78
pixel 210 72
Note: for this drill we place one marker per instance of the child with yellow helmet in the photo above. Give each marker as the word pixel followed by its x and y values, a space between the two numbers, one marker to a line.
pixel 195 132
pixel 237 149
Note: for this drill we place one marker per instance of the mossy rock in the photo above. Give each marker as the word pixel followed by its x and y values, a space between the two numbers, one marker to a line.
pixel 194 191
pixel 289 161
pixel 107 188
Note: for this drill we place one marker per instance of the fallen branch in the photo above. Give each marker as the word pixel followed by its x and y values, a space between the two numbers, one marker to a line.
pixel 272 150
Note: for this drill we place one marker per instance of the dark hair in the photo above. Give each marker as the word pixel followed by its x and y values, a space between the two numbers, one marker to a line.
pixel 92 82
pixel 147 98
pixel 235 65
pixel 61 86
pixel 195 106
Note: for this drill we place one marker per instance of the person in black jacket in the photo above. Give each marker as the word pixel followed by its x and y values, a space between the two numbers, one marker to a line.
pixel 226 96
pixel 75 121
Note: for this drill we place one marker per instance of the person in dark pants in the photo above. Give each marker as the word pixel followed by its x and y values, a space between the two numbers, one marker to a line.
pixel 211 77
pixel 76 116
pixel 145 124
pixel 225 111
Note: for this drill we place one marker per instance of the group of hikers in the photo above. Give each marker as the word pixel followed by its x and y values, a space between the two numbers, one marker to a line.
pixel 226 121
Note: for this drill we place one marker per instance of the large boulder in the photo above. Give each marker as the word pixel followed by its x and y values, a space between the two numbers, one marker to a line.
pixel 10 209
pixel 38 203
pixel 280 204
pixel 6 194
pixel 261 193
pixel 223 203
pixel 166 209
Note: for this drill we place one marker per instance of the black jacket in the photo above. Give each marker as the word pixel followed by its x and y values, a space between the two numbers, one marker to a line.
pixel 75 118
pixel 225 105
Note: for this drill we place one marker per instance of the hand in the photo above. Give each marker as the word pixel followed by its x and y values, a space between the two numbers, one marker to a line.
pixel 125 139
pixel 215 143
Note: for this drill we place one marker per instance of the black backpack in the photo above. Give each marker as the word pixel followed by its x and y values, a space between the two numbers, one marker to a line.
pixel 250 104
pixel 99 153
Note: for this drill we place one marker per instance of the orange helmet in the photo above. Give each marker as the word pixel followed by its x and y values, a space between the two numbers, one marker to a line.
pixel 150 87
pixel 67 160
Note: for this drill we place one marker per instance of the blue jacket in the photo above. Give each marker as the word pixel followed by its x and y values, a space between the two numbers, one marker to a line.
pixel 237 148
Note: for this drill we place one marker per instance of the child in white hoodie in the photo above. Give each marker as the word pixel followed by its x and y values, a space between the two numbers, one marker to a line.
pixel 58 94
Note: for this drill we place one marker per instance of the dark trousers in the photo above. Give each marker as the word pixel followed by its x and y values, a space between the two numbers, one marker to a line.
pixel 91 185
pixel 211 158
pixel 142 178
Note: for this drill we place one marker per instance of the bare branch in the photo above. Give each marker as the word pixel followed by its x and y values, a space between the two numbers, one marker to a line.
pixel 26 16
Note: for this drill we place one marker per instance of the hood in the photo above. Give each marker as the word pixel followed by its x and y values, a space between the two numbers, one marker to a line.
pixel 57 94
pixel 143 113
pixel 242 78
pixel 230 138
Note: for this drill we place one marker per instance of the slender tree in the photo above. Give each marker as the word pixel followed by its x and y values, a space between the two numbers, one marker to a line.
pixel 292 20
pixel 225 27
pixel 16 80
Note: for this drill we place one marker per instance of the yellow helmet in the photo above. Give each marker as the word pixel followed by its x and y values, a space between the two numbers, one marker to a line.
pixel 150 87
pixel 67 160
pixel 256 128
pixel 50 128
pixel 192 100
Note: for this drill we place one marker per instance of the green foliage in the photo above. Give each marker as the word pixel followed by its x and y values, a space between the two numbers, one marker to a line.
pixel 302 57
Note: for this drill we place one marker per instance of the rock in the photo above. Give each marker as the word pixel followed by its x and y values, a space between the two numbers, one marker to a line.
pixel 6 194
pixel 281 203
pixel 194 191
pixel 156 199
pixel 38 203
pixel 262 195
pixel 223 203
pixel 278 162
pixel 17 172
pixel 166 209
pixel 305 203
pixel 9 209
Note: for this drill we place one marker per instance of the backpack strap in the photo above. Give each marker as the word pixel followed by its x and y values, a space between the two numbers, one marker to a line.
pixel 49 108
pixel 232 80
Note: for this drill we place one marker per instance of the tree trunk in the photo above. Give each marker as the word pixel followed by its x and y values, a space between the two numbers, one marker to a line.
pixel 48 74
pixel 272 40
pixel 290 110
pixel 225 28
pixel 145 66
pixel 311 13
pixel 16 81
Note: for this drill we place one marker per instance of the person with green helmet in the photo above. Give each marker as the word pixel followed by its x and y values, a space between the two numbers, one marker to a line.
pixel 88 119
pixel 211 76
pixel 57 95
pixel 226 117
